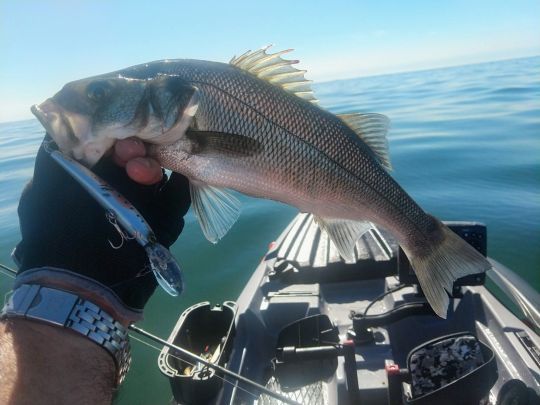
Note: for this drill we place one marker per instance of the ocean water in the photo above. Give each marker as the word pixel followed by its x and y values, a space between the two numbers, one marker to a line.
pixel 464 142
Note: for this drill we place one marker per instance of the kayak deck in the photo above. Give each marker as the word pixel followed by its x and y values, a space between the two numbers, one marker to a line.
pixel 303 275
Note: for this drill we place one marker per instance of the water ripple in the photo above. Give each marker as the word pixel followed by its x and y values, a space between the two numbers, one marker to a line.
pixel 464 141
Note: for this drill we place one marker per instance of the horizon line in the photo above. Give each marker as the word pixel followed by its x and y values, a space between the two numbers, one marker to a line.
pixel 425 69
pixel 369 75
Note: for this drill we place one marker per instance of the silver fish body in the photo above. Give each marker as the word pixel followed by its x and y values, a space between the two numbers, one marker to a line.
pixel 255 137
pixel 308 157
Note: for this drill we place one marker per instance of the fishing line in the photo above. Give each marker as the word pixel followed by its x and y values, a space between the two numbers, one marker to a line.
pixel 216 367
pixel 234 384
pixel 8 271
pixel 12 273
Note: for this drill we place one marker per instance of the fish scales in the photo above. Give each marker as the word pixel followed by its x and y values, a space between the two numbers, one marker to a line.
pixel 243 104
pixel 225 127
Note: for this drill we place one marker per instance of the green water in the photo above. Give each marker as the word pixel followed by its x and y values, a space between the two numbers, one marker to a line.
pixel 465 143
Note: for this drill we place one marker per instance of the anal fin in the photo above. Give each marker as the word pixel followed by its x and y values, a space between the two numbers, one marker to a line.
pixel 344 233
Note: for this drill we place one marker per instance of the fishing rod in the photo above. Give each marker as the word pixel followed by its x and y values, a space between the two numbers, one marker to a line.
pixel 10 271
pixel 196 358
pixel 216 367
pixel 165 268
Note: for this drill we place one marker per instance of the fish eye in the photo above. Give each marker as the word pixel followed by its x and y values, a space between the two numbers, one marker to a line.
pixel 97 91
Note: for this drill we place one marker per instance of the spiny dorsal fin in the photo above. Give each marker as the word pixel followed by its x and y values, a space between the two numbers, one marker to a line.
pixel 372 129
pixel 276 70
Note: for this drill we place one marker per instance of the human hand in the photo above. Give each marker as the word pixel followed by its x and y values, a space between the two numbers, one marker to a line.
pixel 131 154
pixel 63 227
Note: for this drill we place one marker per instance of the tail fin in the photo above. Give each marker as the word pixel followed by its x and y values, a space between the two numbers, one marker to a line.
pixel 444 263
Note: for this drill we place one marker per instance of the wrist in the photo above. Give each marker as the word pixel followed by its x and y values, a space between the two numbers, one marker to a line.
pixel 85 288
pixel 39 361
pixel 64 309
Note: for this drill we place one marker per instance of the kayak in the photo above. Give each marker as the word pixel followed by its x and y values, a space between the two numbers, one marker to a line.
pixel 316 329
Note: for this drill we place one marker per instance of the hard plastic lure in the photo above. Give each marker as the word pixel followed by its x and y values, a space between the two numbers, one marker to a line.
pixel 120 210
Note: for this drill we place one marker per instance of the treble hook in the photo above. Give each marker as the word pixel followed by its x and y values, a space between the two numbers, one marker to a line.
pixel 111 217
pixel 49 145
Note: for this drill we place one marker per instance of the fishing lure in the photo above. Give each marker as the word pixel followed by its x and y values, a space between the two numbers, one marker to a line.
pixel 120 211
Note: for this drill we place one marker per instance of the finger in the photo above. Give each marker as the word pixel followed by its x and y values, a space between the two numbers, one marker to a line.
pixel 128 149
pixel 144 171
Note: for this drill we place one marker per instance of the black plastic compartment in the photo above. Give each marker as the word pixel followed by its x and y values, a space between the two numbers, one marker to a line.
pixel 470 388
pixel 203 330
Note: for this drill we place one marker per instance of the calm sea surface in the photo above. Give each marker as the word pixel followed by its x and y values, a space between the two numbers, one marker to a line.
pixel 465 143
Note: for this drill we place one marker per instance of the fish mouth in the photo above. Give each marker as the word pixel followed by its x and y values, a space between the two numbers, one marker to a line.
pixel 53 120
pixel 55 123
pixel 72 132
pixel 42 117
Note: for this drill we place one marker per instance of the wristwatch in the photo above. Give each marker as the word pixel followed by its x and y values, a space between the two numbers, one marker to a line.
pixel 68 310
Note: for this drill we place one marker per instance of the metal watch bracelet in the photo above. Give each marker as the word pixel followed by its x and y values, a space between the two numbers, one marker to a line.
pixel 65 309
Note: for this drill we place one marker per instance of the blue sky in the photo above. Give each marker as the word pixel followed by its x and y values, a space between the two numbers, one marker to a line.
pixel 45 44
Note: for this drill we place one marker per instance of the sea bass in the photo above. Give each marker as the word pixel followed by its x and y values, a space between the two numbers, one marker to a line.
pixel 254 126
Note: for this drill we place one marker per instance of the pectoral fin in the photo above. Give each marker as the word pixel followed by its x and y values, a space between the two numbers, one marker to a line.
pixel 216 209
pixel 344 234
pixel 209 143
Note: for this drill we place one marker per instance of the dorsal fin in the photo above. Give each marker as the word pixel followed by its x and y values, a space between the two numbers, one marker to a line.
pixel 372 129
pixel 276 70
